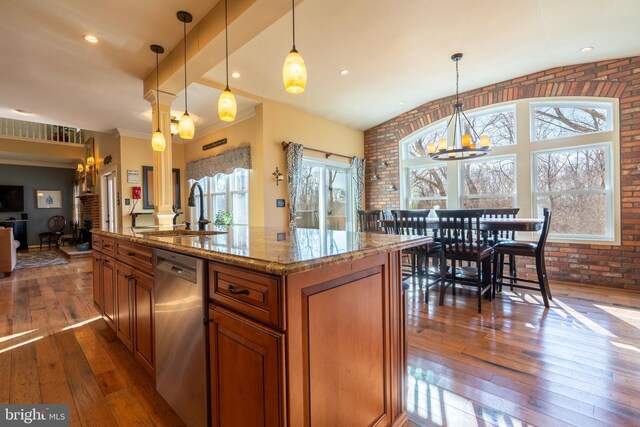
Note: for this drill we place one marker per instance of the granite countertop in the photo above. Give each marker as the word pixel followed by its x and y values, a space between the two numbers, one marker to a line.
pixel 267 249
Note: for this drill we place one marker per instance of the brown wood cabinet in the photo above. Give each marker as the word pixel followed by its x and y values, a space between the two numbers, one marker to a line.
pixel 124 306
pixel 246 371
pixel 108 280
pixel 144 347
pixel 123 292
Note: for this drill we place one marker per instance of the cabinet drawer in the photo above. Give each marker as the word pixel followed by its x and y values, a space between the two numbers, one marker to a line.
pixel 96 242
pixel 254 294
pixel 107 245
pixel 137 256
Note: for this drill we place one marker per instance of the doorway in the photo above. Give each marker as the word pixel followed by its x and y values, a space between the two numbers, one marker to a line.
pixel 109 198
pixel 325 200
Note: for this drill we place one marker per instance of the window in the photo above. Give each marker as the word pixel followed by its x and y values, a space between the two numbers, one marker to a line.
pixel 576 185
pixel 488 183
pixel 427 187
pixel 225 192
pixel 561 153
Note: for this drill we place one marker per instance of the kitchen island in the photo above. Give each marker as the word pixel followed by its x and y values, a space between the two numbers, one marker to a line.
pixel 306 328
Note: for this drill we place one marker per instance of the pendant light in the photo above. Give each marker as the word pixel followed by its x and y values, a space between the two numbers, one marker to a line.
pixel 227 107
pixel 466 141
pixel 185 126
pixel 294 72
pixel 157 141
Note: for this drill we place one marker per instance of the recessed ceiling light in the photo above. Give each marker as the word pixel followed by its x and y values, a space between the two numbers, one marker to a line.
pixel 90 38
pixel 235 75
pixel 586 49
pixel 401 103
pixel 23 112
pixel 344 72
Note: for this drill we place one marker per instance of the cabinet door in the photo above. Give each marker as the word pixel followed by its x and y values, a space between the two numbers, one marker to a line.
pixel 109 290
pixel 97 283
pixel 246 372
pixel 124 304
pixel 144 342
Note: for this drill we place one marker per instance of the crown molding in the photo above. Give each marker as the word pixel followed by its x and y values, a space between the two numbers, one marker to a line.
pixel 37 163
pixel 130 133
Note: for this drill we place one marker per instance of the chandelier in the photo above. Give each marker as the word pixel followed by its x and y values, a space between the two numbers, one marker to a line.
pixel 466 143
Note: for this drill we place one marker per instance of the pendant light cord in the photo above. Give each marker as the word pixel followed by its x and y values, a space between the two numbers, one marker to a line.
pixel 226 42
pixel 157 92
pixel 293 13
pixel 457 80
pixel 185 67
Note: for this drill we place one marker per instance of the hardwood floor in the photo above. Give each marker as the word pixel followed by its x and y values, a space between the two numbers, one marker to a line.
pixel 55 348
pixel 516 364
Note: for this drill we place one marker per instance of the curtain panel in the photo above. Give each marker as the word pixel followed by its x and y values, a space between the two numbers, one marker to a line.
pixel 294 176
pixel 357 174
pixel 225 162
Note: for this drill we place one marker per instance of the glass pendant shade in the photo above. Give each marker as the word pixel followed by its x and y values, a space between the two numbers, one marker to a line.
pixel 186 127
pixel 227 106
pixel 294 73
pixel 157 141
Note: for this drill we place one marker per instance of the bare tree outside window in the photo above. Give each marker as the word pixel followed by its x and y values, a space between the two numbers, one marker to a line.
pixel 418 148
pixel 500 126
pixel 489 183
pixel 551 122
pixel 428 187
pixel 573 183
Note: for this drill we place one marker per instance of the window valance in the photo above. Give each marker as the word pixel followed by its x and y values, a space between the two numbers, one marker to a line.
pixel 225 162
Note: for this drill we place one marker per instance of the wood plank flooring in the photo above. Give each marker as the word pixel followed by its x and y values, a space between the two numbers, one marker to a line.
pixel 519 364
pixel 516 364
pixel 55 348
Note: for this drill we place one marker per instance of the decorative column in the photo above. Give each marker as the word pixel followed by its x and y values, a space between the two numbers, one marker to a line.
pixel 162 160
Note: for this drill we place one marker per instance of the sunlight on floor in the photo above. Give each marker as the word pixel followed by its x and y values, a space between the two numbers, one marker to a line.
pixel 22 343
pixel 77 325
pixel 625 346
pixel 19 334
pixel 630 316
pixel 584 320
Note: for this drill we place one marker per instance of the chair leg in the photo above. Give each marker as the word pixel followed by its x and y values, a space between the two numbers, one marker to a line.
pixel 453 274
pixel 443 276
pixel 546 278
pixel 540 272
pixel 413 267
pixel 494 278
pixel 512 267
pixel 479 284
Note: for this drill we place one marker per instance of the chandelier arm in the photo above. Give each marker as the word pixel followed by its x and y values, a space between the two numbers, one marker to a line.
pixel 455 128
pixel 470 125
pixel 446 128
pixel 457 82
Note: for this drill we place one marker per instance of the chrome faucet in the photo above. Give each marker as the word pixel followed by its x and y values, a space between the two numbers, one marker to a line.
pixel 202 222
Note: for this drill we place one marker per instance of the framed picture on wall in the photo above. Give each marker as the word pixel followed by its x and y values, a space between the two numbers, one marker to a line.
pixel 147 187
pixel 48 199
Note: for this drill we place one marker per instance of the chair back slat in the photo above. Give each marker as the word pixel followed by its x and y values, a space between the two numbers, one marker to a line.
pixel 460 230
pixel 545 230
pixel 411 222
pixel 502 213
pixel 369 221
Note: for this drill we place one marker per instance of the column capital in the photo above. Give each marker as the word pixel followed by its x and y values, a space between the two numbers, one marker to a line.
pixel 164 98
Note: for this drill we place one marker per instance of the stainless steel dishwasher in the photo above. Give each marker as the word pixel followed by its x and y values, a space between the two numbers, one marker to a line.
pixel 180 334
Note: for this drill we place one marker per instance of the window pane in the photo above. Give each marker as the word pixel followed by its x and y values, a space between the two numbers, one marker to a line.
pixel 489 177
pixel 240 180
pixel 577 214
pixel 500 126
pixel 488 202
pixel 219 203
pixel 428 204
pixel 220 183
pixel 418 148
pixel 309 197
pixel 428 182
pixel 240 208
pixel 577 169
pixel 552 122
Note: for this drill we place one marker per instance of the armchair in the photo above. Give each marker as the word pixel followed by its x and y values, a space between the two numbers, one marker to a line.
pixel 8 251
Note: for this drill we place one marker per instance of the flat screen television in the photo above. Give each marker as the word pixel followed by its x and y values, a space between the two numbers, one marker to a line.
pixel 11 198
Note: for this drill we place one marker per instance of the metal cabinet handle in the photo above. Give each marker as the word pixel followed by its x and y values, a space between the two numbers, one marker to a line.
pixel 128 276
pixel 131 253
pixel 234 291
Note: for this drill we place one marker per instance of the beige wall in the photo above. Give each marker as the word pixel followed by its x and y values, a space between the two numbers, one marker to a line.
pixel 272 124
pixel 137 152
pixel 41 151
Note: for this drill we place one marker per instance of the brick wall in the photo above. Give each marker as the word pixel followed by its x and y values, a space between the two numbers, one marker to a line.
pixel 617 266
pixel 90 209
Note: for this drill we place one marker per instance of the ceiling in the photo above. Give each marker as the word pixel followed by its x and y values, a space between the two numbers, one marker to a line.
pixel 396 53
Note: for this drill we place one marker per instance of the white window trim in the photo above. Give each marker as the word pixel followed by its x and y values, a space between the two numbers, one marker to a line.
pixel 514 195
pixel 523 151
pixel 209 195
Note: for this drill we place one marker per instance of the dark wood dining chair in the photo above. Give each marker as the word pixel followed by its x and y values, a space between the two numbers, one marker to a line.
pixel 369 221
pixel 56 226
pixel 461 240
pixel 528 249
pixel 414 223
pixel 503 235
